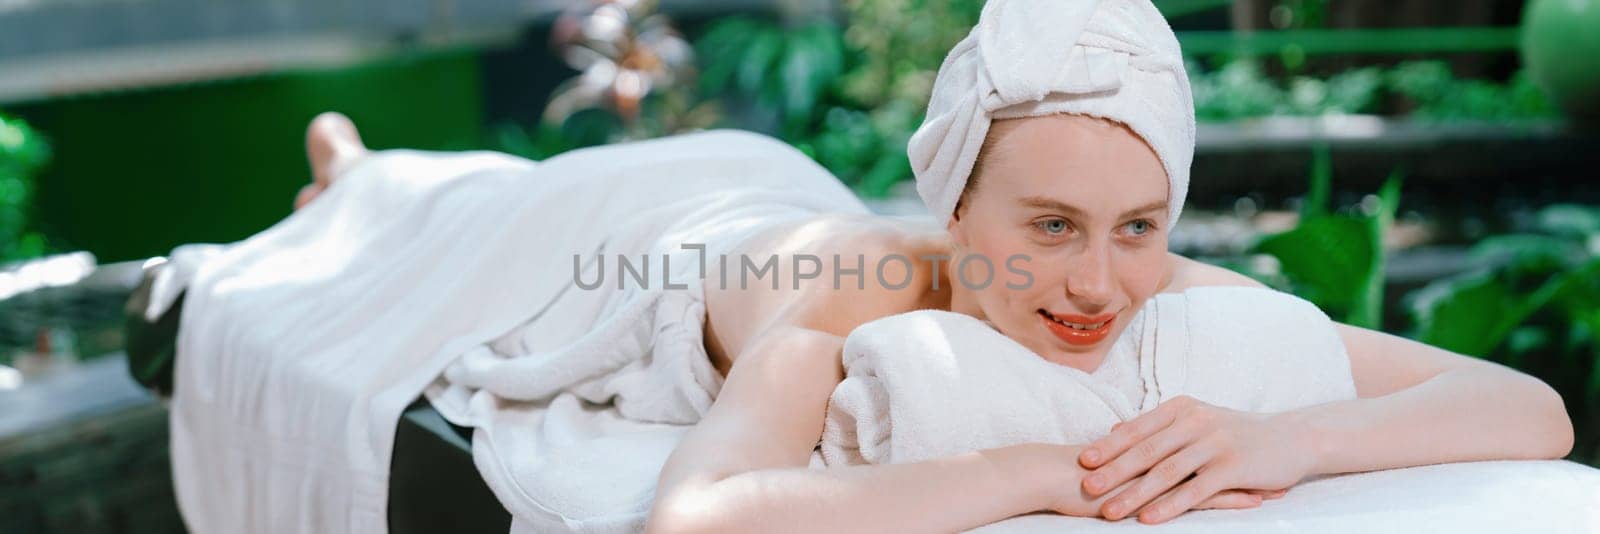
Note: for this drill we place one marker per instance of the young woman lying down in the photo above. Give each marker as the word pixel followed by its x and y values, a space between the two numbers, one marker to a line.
pixel 1060 132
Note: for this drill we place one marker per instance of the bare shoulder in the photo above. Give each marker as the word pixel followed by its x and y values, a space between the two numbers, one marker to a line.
pixel 865 267
pixel 1187 273
pixel 825 274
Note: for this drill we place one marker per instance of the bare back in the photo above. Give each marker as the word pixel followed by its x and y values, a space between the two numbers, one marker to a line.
pixel 848 290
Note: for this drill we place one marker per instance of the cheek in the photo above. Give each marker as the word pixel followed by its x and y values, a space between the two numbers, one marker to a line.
pixel 1140 272
pixel 999 246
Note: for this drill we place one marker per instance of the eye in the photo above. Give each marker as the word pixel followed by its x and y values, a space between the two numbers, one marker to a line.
pixel 1139 227
pixel 1054 227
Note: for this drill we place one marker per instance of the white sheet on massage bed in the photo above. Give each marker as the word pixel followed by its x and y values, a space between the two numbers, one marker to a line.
pixel 1470 497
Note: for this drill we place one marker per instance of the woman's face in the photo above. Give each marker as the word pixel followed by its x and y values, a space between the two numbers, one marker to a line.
pixel 1085 200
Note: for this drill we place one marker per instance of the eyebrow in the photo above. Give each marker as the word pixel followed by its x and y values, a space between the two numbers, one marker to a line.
pixel 1053 204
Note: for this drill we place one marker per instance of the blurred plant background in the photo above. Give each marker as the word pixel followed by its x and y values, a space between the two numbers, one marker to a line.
pixel 22 152
pixel 1415 166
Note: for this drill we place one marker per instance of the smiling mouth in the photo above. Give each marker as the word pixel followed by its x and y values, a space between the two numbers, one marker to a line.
pixel 1073 325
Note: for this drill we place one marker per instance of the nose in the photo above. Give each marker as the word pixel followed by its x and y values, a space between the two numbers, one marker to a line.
pixel 1089 281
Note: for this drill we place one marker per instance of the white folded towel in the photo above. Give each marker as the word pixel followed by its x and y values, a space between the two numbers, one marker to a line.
pixel 928 384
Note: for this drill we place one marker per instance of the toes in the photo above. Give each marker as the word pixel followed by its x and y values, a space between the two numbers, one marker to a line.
pixel 307 194
pixel 331 142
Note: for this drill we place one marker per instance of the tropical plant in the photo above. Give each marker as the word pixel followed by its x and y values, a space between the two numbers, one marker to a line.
pixel 1532 301
pixel 1334 259
pixel 787 71
pixel 850 96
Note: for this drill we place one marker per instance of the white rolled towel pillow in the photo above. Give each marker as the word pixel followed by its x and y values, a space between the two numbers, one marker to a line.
pixel 929 384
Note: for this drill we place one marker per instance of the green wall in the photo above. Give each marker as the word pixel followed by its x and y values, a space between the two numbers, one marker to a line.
pixel 136 173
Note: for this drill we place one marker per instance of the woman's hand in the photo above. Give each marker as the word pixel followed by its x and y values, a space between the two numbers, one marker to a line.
pixel 1068 497
pixel 1221 449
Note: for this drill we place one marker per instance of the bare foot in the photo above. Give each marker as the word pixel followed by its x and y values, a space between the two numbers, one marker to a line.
pixel 332 144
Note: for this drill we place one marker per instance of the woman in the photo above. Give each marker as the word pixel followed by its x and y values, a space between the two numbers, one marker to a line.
pixel 1095 224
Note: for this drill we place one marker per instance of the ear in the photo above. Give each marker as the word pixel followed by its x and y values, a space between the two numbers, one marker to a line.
pixel 958 233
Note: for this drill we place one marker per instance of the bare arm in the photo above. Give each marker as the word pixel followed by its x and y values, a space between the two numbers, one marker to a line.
pixel 1415 405
pixel 1423 405
pixel 744 466
pixel 1418 404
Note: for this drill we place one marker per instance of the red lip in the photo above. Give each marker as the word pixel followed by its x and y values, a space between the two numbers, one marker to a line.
pixel 1074 336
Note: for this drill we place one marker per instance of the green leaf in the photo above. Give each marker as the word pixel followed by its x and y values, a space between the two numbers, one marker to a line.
pixel 1525 339
pixel 758 61
pixel 890 169
pixel 1367 310
pixel 809 68
pixel 1472 314
pixel 1591 390
pixel 1316 202
pixel 719 51
pixel 1327 259
pixel 1528 253
pixel 1462 314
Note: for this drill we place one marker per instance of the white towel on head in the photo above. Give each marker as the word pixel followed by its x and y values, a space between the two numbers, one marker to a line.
pixel 1113 59
pixel 929 384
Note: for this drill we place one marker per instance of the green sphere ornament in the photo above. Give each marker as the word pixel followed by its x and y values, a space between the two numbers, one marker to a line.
pixel 1561 50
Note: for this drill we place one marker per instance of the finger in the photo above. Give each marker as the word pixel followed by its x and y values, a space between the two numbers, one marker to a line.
pixel 1271 494
pixel 1179 500
pixel 1125 434
pixel 1170 472
pixel 1140 459
pixel 1231 499
pixel 1266 493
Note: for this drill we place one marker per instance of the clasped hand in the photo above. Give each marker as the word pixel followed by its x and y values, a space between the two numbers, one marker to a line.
pixel 1189 455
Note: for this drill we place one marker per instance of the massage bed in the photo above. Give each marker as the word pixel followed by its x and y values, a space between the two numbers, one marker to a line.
pixel 433 486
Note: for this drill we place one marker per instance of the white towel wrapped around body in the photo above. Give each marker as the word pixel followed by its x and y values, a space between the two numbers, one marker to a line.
pixel 931 383
pixel 455 276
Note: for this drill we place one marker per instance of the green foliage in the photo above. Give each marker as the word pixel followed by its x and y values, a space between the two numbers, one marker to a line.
pixel 1436 93
pixel 1553 270
pixel 584 128
pixel 786 70
pixel 1336 260
pixel 848 97
pixel 851 96
pixel 1240 89
pixel 22 153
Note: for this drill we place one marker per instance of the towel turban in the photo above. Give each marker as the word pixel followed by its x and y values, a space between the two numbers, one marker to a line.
pixel 1112 59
